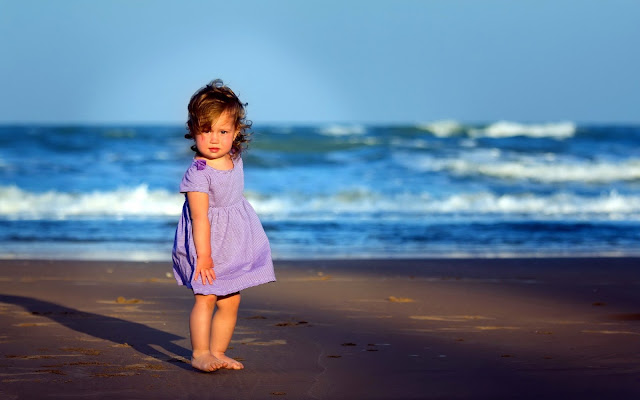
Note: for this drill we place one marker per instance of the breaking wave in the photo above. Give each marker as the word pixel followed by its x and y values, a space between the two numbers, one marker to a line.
pixel 142 202
pixel 504 129
pixel 443 128
pixel 342 130
pixel 500 129
pixel 139 201
pixel 546 169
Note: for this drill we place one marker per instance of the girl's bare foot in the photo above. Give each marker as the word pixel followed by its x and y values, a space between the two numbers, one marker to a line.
pixel 231 363
pixel 207 362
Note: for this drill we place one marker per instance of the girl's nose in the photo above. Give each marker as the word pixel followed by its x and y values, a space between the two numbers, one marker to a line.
pixel 213 138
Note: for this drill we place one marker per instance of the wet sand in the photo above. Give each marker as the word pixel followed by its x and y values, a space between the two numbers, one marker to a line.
pixel 349 329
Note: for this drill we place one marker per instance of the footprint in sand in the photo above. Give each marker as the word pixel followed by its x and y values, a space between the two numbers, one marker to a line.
pixel 292 323
pixel 256 317
pixel 371 347
pixel 179 359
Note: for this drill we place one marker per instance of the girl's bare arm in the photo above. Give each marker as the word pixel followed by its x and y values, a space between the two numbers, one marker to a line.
pixel 199 208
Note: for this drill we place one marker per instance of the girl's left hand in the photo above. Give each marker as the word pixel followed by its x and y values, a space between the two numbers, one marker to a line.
pixel 204 270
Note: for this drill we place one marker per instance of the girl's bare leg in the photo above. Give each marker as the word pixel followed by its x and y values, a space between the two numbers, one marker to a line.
pixel 200 325
pixel 224 322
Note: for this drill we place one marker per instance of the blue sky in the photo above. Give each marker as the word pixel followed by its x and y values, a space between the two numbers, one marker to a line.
pixel 322 61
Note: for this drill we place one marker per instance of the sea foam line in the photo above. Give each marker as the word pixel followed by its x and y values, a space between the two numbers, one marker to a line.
pixel 443 128
pixel 139 201
pixel 342 130
pixel 363 203
pixel 501 129
pixel 545 168
pixel 18 204
pixel 504 129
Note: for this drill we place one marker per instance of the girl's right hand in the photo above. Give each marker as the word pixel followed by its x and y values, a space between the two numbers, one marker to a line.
pixel 204 270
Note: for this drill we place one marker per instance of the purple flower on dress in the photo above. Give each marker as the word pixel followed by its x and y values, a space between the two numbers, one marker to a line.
pixel 200 164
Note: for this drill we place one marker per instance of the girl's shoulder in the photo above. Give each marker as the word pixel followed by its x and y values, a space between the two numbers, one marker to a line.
pixel 195 178
pixel 196 168
pixel 237 161
pixel 198 165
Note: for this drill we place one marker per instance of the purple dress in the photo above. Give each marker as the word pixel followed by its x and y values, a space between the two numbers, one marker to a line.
pixel 239 247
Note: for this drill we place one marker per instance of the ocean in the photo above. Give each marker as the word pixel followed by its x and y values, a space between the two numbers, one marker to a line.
pixel 440 189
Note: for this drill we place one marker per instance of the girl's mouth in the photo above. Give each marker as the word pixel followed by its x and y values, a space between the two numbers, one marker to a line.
pixel 213 149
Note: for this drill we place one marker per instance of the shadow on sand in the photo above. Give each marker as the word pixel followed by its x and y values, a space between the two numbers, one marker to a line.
pixel 138 336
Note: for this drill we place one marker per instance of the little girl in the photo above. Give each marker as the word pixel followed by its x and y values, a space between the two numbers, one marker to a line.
pixel 220 247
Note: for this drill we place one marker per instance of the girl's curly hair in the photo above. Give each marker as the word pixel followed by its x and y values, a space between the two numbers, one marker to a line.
pixel 206 106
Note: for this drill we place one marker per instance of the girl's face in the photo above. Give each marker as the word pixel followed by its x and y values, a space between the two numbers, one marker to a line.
pixel 216 143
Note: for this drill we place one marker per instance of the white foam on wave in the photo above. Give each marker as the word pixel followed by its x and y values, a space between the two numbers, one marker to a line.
pixel 594 172
pixel 610 205
pixel 547 168
pixel 504 129
pixel 443 128
pixel 362 203
pixel 139 201
pixel 342 130
pixel 18 204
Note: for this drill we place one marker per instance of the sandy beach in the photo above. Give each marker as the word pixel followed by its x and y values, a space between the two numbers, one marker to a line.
pixel 349 329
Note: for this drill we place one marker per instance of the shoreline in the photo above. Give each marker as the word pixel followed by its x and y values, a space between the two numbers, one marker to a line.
pixel 357 329
pixel 159 257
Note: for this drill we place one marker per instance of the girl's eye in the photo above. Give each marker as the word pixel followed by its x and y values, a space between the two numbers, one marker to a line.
pixel 224 132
